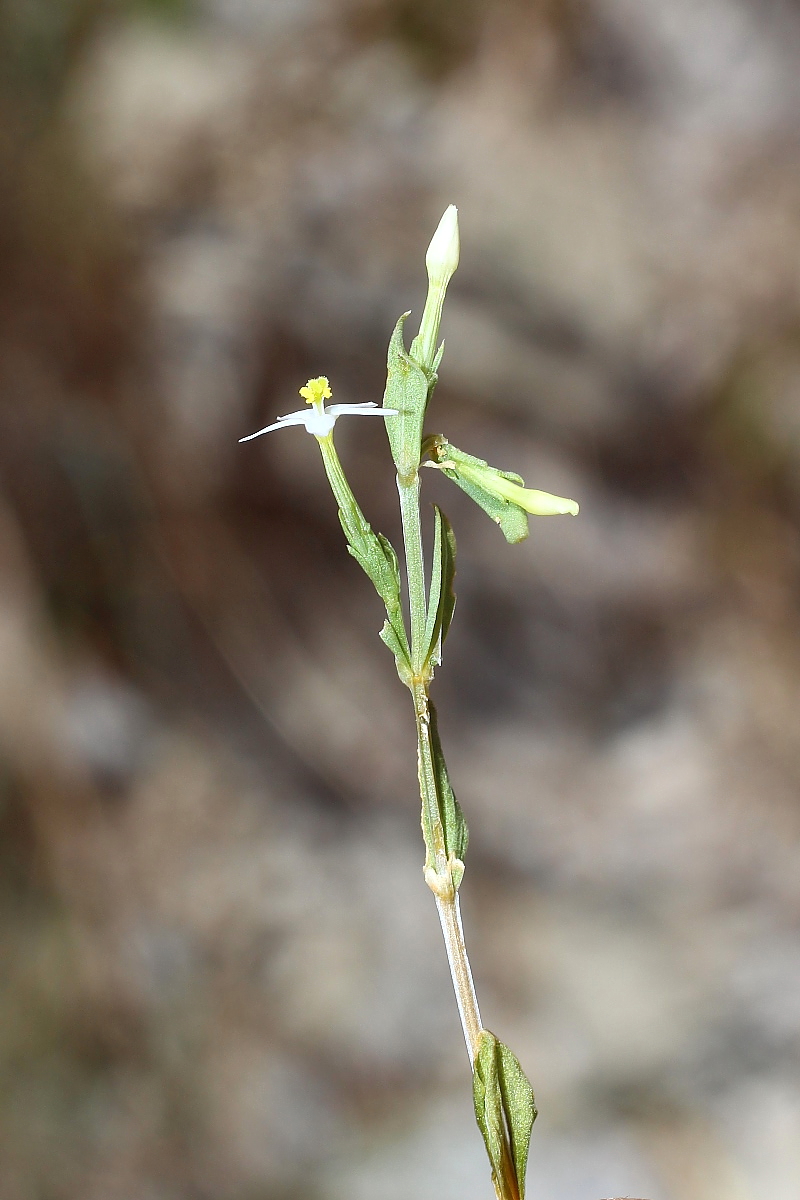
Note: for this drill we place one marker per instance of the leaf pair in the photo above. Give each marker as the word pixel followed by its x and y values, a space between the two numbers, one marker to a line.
pixel 505 1112
pixel 443 826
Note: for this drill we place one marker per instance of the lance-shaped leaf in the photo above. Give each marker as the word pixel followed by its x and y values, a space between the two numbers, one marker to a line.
pixel 376 555
pixel 398 645
pixel 373 552
pixel 441 598
pixel 448 811
pixel 407 389
pixel 505 1112
pixel 501 494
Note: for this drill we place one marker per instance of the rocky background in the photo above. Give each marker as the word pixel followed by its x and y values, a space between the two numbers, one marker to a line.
pixel 222 973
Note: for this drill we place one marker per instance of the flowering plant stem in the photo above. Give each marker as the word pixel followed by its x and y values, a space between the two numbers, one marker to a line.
pixel 503 1099
pixel 440 878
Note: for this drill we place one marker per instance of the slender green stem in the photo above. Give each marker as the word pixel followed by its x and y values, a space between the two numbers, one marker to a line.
pixel 408 489
pixel 336 476
pixel 439 874
pixel 440 880
pixel 423 348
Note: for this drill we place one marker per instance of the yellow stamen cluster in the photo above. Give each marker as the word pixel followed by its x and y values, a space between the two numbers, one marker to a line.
pixel 316 390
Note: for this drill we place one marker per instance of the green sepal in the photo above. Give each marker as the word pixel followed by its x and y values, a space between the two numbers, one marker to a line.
pixel 454 827
pixel 505 1112
pixel 407 389
pixel 512 519
pixel 441 598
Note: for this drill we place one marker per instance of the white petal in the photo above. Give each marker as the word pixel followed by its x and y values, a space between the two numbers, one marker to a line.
pixel 321 423
pixel 300 416
pixel 363 410
pixel 351 408
pixel 292 419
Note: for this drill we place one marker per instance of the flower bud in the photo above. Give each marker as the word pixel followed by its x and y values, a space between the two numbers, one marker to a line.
pixel 441 261
pixel 501 494
pixel 442 257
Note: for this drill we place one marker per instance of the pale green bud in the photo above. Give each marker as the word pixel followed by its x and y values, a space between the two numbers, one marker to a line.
pixel 501 494
pixel 540 504
pixel 441 262
pixel 442 257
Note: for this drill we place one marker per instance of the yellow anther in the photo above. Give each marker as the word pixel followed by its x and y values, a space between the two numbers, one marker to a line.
pixel 316 390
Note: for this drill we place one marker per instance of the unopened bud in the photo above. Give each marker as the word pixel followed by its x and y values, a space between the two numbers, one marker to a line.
pixel 441 261
pixel 442 257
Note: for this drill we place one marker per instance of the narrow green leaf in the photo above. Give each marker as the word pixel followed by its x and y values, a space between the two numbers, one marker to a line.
pixel 505 1112
pixel 488 1103
pixel 387 570
pixel 441 598
pixel 456 834
pixel 519 1108
pixel 371 556
pixel 390 554
pixel 399 648
pixel 377 557
pixel 407 390
pixel 374 553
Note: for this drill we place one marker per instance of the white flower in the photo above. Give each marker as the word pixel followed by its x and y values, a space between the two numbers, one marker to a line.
pixel 318 419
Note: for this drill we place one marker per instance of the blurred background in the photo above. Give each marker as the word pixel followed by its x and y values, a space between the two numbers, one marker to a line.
pixel 222 976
